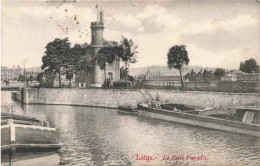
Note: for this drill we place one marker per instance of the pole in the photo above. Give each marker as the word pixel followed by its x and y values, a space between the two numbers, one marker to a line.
pixel 24 73
pixel 97 12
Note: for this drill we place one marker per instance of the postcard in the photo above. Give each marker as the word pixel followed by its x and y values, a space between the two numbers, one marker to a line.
pixel 117 82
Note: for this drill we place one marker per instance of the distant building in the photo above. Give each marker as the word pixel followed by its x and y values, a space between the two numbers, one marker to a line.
pixel 10 73
pixel 152 79
pixel 96 77
pixel 232 75
pixel 164 81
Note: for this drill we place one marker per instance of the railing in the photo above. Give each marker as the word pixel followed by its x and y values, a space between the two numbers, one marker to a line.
pixel 234 87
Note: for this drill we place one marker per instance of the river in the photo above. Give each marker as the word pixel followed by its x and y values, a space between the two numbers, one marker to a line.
pixel 100 136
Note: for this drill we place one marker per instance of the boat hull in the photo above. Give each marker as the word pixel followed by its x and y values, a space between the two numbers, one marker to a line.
pixel 53 159
pixel 18 142
pixel 128 112
pixel 201 121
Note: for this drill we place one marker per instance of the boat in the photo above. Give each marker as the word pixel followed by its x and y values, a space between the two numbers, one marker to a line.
pixel 127 110
pixel 25 138
pixel 244 120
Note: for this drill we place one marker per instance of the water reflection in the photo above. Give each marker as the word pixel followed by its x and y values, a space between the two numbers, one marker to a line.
pixel 98 136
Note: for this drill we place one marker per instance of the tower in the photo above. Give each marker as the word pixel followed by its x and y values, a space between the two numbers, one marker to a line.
pixel 97 29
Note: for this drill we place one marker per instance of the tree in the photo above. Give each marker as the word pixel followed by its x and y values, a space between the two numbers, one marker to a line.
pixel 207 76
pixel 193 76
pixel 177 58
pixel 48 78
pixel 106 55
pixel 82 60
pixel 72 62
pixel 199 76
pixel 55 57
pixel 127 52
pixel 219 72
pixel 249 66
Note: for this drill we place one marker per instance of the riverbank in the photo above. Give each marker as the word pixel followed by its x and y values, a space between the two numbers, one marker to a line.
pixel 112 98
pixel 88 130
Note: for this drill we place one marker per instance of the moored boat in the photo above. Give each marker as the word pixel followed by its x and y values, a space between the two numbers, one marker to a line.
pixel 127 110
pixel 247 123
pixel 24 138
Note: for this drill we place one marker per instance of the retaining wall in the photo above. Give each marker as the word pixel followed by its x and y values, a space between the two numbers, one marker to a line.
pixel 113 98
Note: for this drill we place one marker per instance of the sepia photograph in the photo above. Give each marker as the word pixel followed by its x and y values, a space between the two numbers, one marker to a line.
pixel 130 82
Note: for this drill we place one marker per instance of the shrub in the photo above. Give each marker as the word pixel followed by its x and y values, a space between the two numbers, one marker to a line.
pixel 121 84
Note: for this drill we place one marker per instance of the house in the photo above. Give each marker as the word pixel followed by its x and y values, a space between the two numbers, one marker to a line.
pixel 164 81
pixel 155 79
pixel 232 75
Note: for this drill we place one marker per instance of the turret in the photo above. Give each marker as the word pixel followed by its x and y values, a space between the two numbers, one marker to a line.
pixel 97 30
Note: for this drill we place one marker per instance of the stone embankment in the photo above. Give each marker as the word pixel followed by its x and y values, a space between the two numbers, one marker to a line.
pixel 112 98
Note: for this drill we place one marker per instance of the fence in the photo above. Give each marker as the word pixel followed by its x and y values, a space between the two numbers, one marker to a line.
pixel 234 87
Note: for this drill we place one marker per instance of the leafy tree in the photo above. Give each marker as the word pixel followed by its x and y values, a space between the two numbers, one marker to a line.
pixel 55 57
pixel 106 55
pixel 49 77
pixel 193 76
pixel 72 60
pixel 127 52
pixel 208 76
pixel 199 76
pixel 177 58
pixel 82 60
pixel 249 66
pixel 219 72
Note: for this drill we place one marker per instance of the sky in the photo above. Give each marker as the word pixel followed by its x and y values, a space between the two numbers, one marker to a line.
pixel 216 33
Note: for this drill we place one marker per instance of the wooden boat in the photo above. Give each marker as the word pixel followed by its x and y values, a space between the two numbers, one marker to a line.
pixel 244 121
pixel 24 138
pixel 127 110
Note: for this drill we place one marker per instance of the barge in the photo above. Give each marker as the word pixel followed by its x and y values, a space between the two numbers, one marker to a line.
pixel 245 120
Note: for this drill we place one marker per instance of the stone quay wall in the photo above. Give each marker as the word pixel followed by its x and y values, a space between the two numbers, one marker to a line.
pixel 112 98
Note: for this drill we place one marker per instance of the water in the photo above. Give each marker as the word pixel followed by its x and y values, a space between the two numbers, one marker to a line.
pixel 99 136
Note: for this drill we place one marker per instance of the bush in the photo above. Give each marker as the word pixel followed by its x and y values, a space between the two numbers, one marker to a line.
pixel 121 84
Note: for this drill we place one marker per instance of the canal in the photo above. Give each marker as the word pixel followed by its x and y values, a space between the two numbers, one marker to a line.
pixel 100 136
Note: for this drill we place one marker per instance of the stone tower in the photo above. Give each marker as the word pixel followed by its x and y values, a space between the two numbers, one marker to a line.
pixel 97 29
pixel 96 77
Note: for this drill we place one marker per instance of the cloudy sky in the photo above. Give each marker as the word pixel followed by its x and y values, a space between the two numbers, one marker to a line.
pixel 216 33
